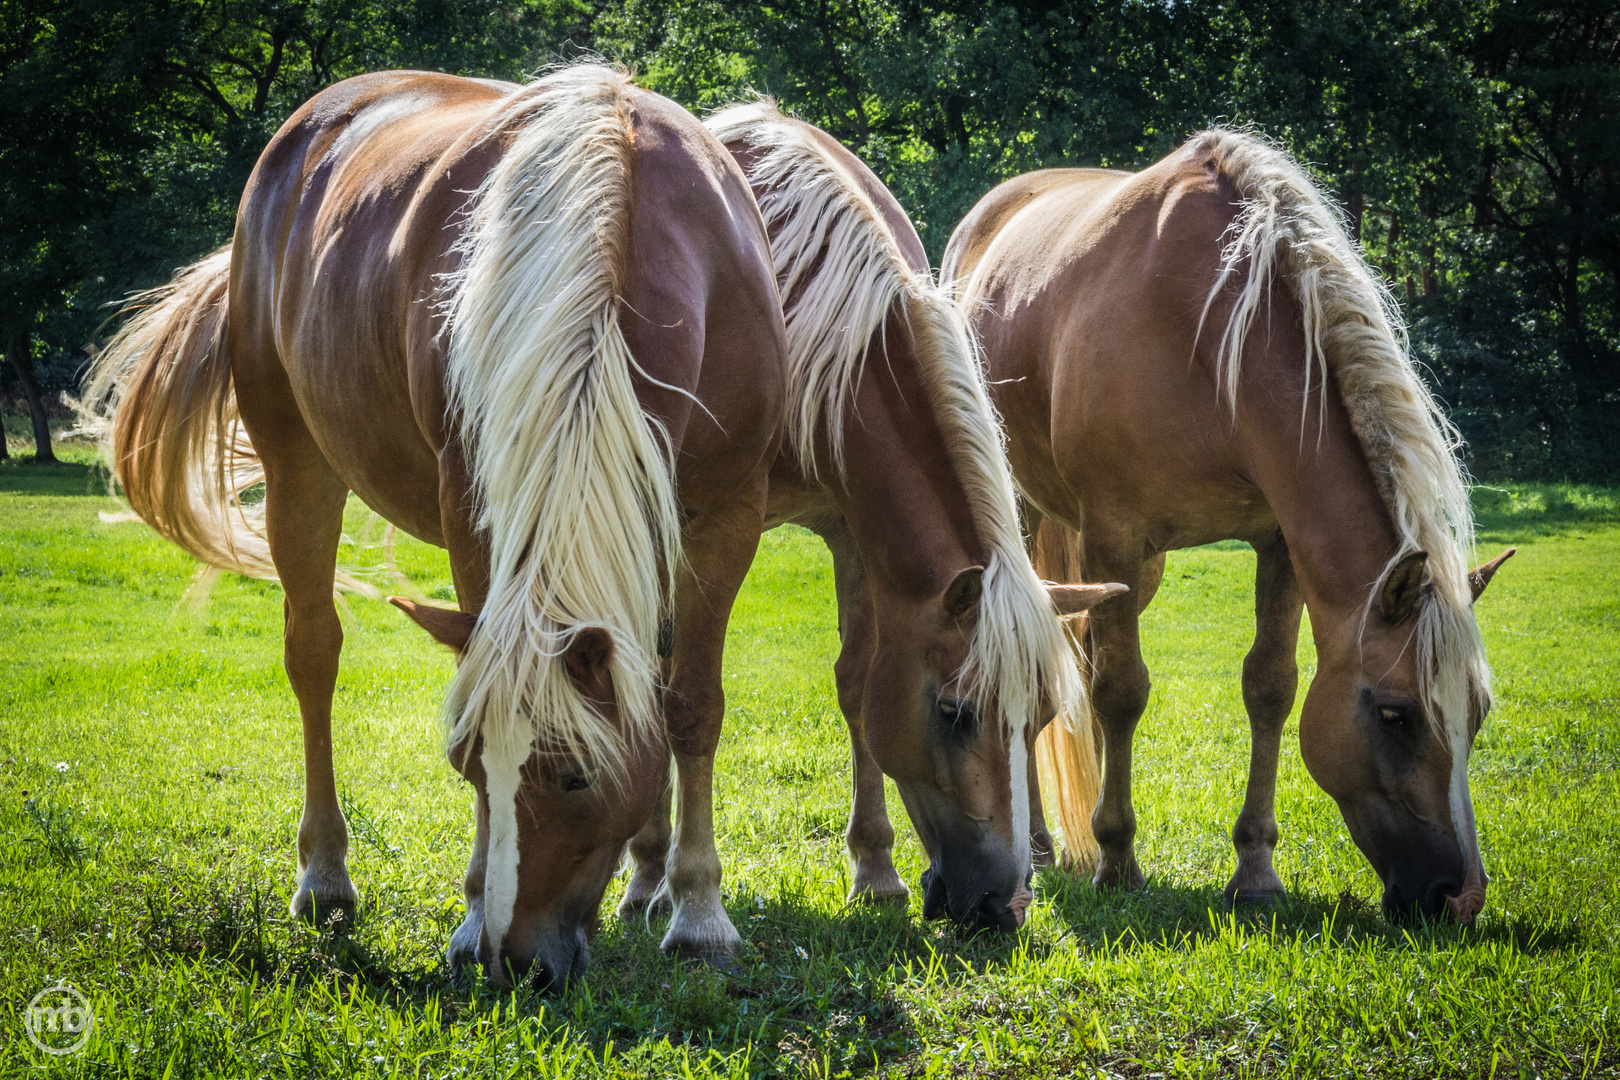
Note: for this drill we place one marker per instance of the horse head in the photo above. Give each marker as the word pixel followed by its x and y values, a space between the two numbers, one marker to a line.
pixel 957 742
pixel 551 824
pixel 1387 729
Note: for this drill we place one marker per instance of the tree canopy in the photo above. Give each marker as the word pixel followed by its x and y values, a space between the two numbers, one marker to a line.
pixel 1473 144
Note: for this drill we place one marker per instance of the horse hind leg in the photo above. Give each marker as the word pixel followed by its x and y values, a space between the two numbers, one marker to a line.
pixel 870 836
pixel 304 503
pixel 1119 694
pixel 1270 681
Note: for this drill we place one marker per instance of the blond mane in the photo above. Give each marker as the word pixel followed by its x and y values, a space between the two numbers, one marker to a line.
pixel 841 273
pixel 1289 232
pixel 571 477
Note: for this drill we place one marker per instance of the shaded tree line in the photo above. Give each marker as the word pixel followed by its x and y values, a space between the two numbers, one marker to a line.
pixel 1472 145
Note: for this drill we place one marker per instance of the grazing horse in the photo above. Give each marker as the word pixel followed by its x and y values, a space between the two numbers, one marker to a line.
pixel 952 653
pixel 572 379
pixel 1198 352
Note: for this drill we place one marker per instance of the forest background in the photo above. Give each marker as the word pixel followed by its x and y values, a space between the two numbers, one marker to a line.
pixel 1473 146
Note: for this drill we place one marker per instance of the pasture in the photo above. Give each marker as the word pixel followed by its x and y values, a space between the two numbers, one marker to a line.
pixel 150 783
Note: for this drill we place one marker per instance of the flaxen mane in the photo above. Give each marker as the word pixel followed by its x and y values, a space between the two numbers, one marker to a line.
pixel 841 272
pixel 572 479
pixel 1287 231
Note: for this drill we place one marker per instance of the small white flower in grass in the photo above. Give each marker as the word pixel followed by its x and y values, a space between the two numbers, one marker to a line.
pixel 61 766
pixel 800 950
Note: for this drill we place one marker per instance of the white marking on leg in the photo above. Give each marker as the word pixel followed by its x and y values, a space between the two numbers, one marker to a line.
pixel 501 775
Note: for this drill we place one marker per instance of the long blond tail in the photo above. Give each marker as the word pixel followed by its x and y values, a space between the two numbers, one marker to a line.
pixel 1066 752
pixel 159 400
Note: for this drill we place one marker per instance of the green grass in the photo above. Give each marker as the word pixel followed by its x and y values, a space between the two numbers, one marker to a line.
pixel 150 785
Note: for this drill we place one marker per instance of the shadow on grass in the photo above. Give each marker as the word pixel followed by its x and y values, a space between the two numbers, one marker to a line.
pixel 20 476
pixel 1509 513
pixel 1181 917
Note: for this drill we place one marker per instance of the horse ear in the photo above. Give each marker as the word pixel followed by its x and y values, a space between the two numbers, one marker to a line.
pixel 589 658
pixel 964 592
pixel 1073 599
pixel 1482 576
pixel 447 625
pixel 1398 595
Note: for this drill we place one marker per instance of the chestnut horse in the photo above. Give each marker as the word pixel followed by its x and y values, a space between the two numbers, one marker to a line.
pixel 952 656
pixel 573 380
pixel 1198 352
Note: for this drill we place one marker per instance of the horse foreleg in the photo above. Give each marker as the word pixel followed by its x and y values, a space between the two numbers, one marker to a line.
pixel 649 849
pixel 1119 694
pixel 1270 681
pixel 304 519
pixel 719 548
pixel 469 568
pixel 870 836
pixel 463 948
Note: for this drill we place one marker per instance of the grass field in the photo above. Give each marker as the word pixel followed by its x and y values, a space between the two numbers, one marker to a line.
pixel 150 788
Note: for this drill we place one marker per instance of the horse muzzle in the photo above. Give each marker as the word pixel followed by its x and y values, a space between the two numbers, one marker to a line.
pixel 557 961
pixel 973 906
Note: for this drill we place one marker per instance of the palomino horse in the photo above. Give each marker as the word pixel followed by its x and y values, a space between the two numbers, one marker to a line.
pixel 573 381
pixel 952 655
pixel 1197 352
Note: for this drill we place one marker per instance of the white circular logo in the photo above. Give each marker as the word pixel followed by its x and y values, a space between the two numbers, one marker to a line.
pixel 59 1020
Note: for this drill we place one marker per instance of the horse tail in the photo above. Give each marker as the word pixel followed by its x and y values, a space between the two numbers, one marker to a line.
pixel 1066 757
pixel 571 479
pixel 160 402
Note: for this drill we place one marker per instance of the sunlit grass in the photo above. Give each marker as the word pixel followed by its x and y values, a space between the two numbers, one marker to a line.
pixel 150 783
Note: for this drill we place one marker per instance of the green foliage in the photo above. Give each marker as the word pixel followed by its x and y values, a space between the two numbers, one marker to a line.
pixel 151 777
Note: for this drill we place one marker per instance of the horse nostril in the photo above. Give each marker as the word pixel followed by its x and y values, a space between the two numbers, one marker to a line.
pixel 993 914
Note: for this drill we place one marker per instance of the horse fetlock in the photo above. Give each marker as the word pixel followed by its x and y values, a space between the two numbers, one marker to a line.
pixel 645 894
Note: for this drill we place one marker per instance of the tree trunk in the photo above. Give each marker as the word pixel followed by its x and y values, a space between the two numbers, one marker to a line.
pixel 1391 264
pixel 23 364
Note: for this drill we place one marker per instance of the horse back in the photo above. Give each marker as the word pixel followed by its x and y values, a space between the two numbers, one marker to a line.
pixel 350 227
pixel 1091 287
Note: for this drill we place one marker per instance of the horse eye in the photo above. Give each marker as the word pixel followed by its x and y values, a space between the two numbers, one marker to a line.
pixel 950 710
pixel 1392 716
pixel 575 782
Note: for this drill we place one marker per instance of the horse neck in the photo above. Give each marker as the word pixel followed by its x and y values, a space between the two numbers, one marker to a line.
pixel 899 490
pixel 1314 475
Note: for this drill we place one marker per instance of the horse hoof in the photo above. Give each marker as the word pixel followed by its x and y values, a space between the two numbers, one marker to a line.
pixel 1125 877
pixel 337 916
pixel 1260 898
pixel 881 889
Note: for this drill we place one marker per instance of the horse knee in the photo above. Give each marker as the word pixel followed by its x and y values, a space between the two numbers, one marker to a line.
pixel 1270 683
pixel 1120 698
pixel 692 721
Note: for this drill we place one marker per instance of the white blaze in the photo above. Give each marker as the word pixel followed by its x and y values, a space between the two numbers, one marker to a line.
pixel 1018 776
pixel 501 774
